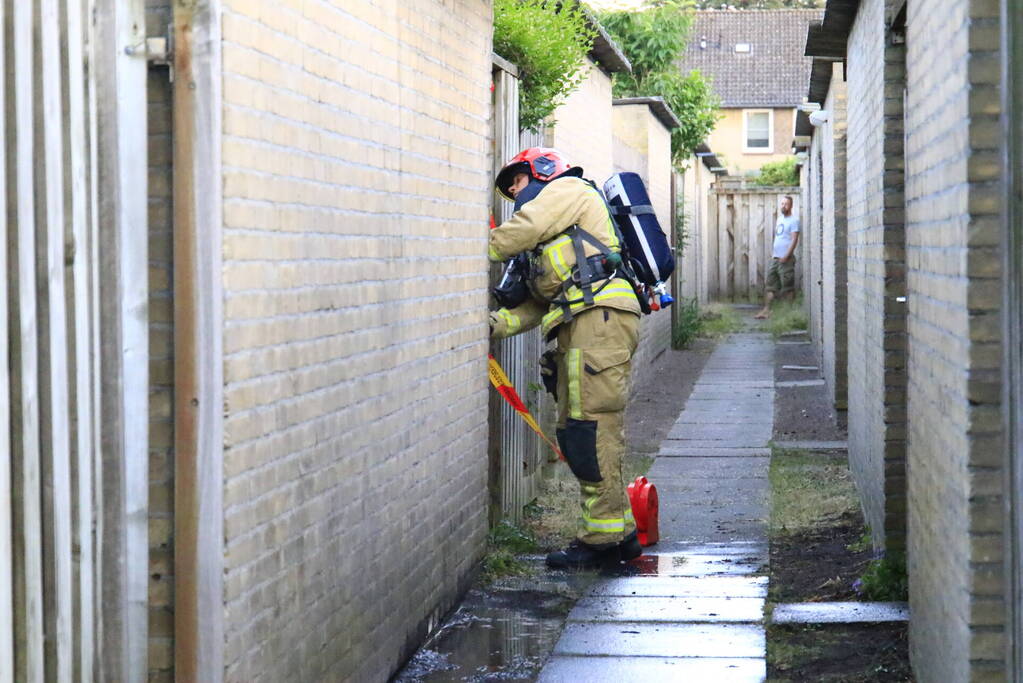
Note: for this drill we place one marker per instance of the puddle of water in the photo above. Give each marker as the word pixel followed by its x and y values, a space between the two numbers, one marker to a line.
pixel 497 634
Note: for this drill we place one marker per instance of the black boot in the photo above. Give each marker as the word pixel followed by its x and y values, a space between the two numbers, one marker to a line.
pixel 629 549
pixel 579 555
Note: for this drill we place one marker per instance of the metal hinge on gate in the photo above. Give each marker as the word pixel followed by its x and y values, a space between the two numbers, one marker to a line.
pixel 158 50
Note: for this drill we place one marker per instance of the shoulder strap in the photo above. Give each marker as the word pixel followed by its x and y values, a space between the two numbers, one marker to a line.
pixel 637 210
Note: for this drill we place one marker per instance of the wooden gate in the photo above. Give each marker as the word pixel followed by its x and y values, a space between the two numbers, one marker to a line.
pixel 740 224
pixel 516 453
pixel 73 345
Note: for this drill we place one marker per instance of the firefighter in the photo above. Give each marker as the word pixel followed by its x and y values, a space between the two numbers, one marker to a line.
pixel 593 314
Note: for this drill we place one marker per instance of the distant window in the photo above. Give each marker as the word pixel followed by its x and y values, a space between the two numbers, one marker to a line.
pixel 757 125
pixel 743 47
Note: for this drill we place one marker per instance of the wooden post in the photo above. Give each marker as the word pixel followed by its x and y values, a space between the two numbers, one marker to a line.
pixel 724 245
pixel 120 83
pixel 6 444
pixel 55 387
pixel 86 445
pixel 710 227
pixel 27 546
pixel 198 344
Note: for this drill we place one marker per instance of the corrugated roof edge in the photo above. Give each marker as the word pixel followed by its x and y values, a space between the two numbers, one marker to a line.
pixel 605 51
pixel 657 105
pixel 709 159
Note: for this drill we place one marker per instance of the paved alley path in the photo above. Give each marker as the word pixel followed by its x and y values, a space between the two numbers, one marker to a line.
pixel 692 607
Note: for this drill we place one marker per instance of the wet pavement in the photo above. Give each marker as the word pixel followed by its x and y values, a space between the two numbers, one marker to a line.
pixel 692 608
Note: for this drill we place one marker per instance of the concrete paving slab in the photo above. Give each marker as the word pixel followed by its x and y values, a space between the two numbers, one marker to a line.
pixel 689 564
pixel 683 587
pixel 814 445
pixel 688 609
pixel 752 433
pixel 690 445
pixel 840 613
pixel 568 669
pixel 712 467
pixel 800 383
pixel 662 640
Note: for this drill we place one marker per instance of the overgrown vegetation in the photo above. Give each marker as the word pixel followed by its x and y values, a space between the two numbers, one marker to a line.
pixel 885 579
pixel 778 173
pixel 548 41
pixel 688 323
pixel 653 39
pixel 808 491
pixel 786 316
pixel 504 544
pixel 718 320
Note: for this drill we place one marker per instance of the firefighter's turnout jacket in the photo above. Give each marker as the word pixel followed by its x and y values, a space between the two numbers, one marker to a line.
pixel 542 222
pixel 595 345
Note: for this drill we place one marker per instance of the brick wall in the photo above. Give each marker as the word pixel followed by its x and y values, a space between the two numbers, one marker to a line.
pixel 161 361
pixel 811 225
pixel 833 245
pixel 356 192
pixel 876 274
pixel 582 129
pixel 955 513
pixel 639 135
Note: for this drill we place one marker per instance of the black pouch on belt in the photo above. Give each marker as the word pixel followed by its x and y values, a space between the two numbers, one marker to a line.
pixel 549 372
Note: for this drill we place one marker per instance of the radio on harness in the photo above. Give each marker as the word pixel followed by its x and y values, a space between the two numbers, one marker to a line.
pixel 650 254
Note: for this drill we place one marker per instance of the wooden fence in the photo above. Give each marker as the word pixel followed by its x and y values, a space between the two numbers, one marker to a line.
pixel 516 453
pixel 739 234
pixel 73 345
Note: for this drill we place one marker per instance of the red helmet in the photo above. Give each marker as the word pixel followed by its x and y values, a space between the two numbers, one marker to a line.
pixel 543 163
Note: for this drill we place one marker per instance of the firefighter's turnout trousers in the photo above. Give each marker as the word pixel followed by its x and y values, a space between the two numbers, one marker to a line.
pixel 594 358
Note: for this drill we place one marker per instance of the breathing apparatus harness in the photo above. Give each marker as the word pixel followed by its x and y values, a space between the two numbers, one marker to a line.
pixel 512 289
pixel 543 165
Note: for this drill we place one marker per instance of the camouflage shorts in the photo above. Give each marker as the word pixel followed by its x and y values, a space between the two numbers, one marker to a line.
pixel 782 276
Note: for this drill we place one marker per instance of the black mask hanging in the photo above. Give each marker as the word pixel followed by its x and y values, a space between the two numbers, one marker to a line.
pixel 529 192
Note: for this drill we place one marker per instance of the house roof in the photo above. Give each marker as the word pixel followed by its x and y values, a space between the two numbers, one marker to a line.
pixel 772 73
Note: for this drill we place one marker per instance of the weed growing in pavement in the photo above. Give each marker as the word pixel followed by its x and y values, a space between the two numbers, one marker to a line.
pixel 808 491
pixel 504 543
pixel 718 320
pixel 786 316
pixel 885 579
pixel 688 323
pixel 864 542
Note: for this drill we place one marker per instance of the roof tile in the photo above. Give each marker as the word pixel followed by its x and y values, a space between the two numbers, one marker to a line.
pixel 774 73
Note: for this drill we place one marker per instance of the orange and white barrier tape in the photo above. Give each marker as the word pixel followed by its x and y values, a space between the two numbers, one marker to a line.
pixel 506 389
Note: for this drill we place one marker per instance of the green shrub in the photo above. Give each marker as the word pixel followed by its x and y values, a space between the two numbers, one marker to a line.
pixel 885 579
pixel 688 323
pixel 778 173
pixel 653 39
pixel 548 41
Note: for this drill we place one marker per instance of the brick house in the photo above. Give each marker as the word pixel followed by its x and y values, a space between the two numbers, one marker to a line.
pixel 754 61
pixel 914 174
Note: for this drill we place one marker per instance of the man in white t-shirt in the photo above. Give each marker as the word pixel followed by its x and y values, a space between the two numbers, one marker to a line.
pixel 781 279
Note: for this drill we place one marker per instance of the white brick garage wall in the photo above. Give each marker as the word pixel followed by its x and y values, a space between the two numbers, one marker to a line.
pixel 356 197
pixel 955 446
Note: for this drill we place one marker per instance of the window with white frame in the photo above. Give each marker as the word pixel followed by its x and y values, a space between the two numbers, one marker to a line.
pixel 758 131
